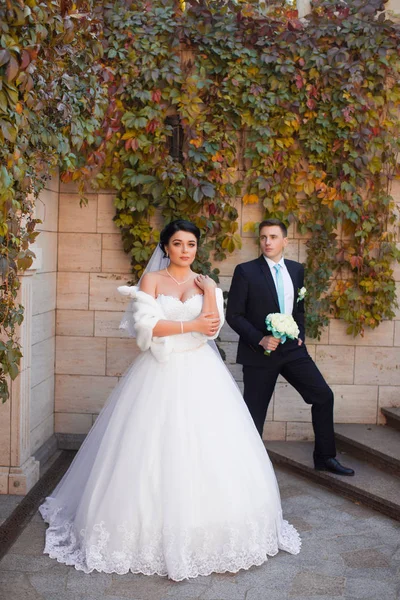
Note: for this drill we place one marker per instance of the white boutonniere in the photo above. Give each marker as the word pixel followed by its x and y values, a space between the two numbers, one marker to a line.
pixel 301 294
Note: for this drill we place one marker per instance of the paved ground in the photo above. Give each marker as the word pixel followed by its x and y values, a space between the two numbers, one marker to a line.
pixel 348 552
pixel 7 505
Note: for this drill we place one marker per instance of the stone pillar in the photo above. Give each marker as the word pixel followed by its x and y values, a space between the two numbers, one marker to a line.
pixel 393 5
pixel 303 7
pixel 22 470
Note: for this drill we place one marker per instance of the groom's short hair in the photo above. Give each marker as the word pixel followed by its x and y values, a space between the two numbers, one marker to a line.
pixel 271 223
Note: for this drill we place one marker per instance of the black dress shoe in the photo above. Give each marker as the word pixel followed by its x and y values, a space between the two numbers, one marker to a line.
pixel 334 466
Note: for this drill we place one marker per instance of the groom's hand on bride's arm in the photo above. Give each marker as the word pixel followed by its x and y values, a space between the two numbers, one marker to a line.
pixel 269 342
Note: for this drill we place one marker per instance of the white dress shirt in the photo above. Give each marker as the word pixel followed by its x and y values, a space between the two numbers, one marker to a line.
pixel 287 283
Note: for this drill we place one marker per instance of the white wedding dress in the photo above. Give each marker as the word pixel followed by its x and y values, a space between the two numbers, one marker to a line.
pixel 173 478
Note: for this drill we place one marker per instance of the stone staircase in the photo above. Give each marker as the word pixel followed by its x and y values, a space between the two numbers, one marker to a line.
pixel 372 450
pixel 392 417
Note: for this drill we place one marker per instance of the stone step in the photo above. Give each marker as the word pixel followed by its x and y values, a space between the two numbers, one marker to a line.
pixel 392 417
pixel 376 443
pixel 370 485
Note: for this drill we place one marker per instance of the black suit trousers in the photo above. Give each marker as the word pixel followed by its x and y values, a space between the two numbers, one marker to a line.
pixel 297 367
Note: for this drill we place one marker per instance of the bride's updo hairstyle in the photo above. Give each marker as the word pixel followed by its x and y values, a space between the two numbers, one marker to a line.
pixel 173 227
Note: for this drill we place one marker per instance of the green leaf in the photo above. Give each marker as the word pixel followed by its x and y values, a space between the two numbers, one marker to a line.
pixel 8 130
pixel 208 190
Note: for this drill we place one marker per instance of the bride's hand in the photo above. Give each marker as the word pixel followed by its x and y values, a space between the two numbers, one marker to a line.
pixel 205 282
pixel 207 323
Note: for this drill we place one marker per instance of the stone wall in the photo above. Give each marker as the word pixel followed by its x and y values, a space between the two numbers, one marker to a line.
pixel 44 317
pixel 27 418
pixel 91 353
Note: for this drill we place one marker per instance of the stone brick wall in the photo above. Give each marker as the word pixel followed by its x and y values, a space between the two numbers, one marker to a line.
pixel 43 317
pixel 27 418
pixel 91 353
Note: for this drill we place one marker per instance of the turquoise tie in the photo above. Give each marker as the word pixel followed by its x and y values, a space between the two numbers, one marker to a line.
pixel 280 288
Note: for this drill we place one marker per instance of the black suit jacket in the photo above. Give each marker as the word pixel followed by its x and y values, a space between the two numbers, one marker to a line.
pixel 251 298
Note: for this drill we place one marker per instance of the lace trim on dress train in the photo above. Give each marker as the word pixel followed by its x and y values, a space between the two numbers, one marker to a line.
pixel 167 553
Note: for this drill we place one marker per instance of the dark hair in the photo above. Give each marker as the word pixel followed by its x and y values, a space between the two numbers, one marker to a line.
pixel 271 223
pixel 173 227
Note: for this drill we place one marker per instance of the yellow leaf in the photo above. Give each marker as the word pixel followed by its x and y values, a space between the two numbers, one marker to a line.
pixel 129 134
pixel 196 142
pixel 225 243
pixel 249 226
pixel 250 199
pixel 308 187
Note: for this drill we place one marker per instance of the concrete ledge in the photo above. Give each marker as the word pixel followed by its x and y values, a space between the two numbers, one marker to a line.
pixel 24 511
pixel 378 444
pixel 69 441
pixel 46 451
pixel 392 417
pixel 370 485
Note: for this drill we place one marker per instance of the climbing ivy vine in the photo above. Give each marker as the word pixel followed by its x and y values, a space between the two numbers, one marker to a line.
pixel 300 116
pixel 51 103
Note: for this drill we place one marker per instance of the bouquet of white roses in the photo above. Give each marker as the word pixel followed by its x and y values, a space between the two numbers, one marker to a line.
pixel 282 327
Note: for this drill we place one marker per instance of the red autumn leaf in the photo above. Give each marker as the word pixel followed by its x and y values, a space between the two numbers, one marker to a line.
pixel 66 177
pixel 151 126
pixel 4 56
pixel 295 25
pixel 29 84
pixel 131 143
pixel 25 59
pixel 311 103
pixel 100 156
pixel 156 96
pixel 107 75
pixel 115 124
pixel 33 52
pixel 356 261
pixel 12 69
pixel 217 157
pixel 299 81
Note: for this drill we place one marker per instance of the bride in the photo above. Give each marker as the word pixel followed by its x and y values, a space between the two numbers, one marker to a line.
pixel 173 478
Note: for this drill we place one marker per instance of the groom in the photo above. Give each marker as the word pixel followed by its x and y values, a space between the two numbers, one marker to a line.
pixel 266 285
